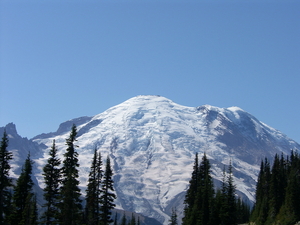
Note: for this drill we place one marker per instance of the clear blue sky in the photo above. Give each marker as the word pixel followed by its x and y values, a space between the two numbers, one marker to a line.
pixel 64 59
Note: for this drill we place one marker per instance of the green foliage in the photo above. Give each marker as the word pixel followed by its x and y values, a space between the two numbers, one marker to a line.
pixel 107 195
pixel 22 193
pixel 5 181
pixel 173 219
pixel 190 195
pixel 123 220
pixel 70 205
pixel 278 192
pixel 132 222
pixel 242 211
pixel 92 209
pixel 30 213
pixel 226 202
pixel 205 207
pixel 205 193
pixel 261 208
pixel 52 178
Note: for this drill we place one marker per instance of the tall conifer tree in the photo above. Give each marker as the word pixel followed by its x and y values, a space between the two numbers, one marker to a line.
pixel 30 212
pixel 123 222
pixel 22 193
pixel 5 181
pixel 191 194
pixel 228 201
pixel 70 205
pixel 107 195
pixel 173 219
pixel 92 209
pixel 231 197
pixel 205 195
pixel 290 209
pixel 277 188
pixel 52 177
pixel 132 222
pixel 261 208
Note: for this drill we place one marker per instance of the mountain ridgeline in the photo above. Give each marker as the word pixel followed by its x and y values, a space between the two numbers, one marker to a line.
pixel 152 142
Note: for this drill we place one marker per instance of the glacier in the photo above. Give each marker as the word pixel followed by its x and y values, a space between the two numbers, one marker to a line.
pixel 152 142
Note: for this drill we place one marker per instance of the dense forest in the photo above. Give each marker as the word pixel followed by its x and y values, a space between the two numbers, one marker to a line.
pixel 277 193
pixel 205 206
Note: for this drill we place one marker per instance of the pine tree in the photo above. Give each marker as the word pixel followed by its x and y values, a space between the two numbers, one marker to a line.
pixel 5 181
pixel 52 178
pixel 205 193
pixel 30 213
pixel 173 219
pixel 132 221
pixel 277 188
pixel 107 195
pixel 138 222
pixel 261 209
pixel 242 211
pixel 231 197
pixel 218 201
pixel 70 205
pixel 123 220
pixel 290 210
pixel 223 203
pixel 22 192
pixel 189 216
pixel 116 219
pixel 93 190
pixel 228 201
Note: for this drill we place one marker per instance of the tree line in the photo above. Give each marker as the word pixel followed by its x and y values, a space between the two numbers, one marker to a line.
pixel 63 202
pixel 204 205
pixel 278 191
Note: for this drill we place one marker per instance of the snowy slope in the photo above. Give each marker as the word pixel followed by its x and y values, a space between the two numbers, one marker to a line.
pixel 152 142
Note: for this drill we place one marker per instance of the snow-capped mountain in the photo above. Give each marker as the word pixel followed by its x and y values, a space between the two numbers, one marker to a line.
pixel 152 142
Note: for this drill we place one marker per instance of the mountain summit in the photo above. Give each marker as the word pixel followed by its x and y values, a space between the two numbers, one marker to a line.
pixel 152 142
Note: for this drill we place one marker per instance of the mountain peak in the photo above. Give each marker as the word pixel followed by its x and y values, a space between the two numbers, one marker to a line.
pixel 152 142
pixel 235 109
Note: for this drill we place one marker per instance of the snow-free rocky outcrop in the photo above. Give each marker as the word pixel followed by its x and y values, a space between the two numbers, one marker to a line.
pixel 152 142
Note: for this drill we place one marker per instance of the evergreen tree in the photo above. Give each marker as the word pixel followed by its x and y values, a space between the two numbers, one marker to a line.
pixel 290 210
pixel 278 193
pixel 133 221
pixel 277 188
pixel 116 219
pixel 173 219
pixel 228 200
pixel 107 195
pixel 218 202
pixel 231 197
pixel 189 216
pixel 70 205
pixel 242 211
pixel 22 193
pixel 52 178
pixel 138 222
pixel 123 222
pixel 205 193
pixel 261 208
pixel 93 190
pixel 30 213
pixel 5 181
